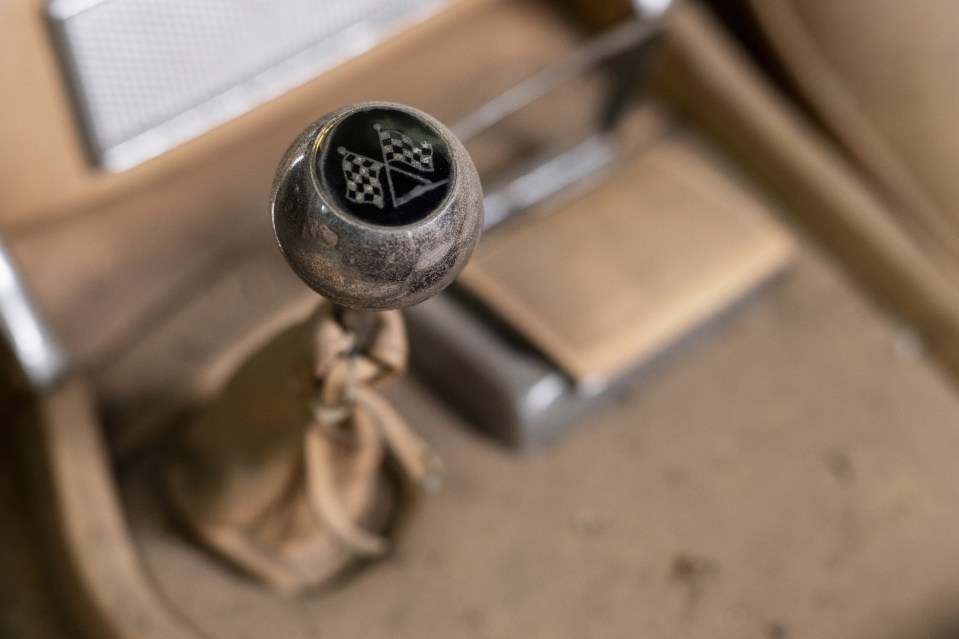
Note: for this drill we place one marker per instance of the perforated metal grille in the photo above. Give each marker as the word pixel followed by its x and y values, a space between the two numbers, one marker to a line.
pixel 149 74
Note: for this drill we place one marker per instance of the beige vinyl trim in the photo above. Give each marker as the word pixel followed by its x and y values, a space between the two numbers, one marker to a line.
pixel 822 86
pixel 713 83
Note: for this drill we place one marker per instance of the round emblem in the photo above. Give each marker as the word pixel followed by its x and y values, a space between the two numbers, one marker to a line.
pixel 385 167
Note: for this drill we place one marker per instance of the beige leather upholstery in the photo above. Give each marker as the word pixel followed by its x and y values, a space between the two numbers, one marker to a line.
pixel 881 75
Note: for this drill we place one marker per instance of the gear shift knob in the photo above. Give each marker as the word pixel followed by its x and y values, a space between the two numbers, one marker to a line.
pixel 377 206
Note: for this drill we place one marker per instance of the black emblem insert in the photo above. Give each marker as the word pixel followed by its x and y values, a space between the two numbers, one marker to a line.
pixel 385 167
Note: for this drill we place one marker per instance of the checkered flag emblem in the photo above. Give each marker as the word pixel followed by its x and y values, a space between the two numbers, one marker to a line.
pixel 399 147
pixel 363 181
pixel 362 175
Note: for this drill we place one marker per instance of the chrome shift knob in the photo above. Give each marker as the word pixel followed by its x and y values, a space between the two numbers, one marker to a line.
pixel 377 206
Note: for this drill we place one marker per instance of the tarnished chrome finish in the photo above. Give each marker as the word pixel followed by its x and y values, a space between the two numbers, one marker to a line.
pixel 554 173
pixel 377 206
pixel 38 355
pixel 616 41
pixel 549 177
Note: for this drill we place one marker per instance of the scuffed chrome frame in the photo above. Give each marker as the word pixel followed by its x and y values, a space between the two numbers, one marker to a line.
pixel 41 360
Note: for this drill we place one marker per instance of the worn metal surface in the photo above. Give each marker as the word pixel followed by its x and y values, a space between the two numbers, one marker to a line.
pixel 351 234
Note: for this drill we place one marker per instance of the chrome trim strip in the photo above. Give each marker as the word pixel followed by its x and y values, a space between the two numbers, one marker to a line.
pixel 40 357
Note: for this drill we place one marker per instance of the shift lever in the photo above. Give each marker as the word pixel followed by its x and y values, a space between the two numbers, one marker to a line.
pixel 377 207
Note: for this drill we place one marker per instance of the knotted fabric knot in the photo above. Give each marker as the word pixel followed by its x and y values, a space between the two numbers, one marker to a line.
pixel 354 353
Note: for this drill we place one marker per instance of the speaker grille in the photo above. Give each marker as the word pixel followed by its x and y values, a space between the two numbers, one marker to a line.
pixel 150 74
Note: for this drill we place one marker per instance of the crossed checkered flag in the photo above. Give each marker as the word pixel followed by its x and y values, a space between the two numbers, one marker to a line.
pixel 362 175
pixel 399 147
